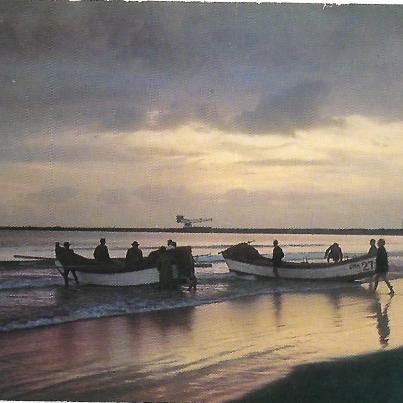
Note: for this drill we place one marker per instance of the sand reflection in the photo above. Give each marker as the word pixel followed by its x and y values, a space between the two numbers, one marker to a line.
pixel 382 320
pixel 196 353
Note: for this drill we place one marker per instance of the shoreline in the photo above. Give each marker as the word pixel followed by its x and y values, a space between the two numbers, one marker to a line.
pixel 212 230
pixel 32 323
pixel 371 377
pixel 214 352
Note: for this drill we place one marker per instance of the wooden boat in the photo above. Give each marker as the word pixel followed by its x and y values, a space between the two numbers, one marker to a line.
pixel 115 272
pixel 245 259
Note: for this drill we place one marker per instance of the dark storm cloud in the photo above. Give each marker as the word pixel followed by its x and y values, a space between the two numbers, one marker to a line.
pixel 81 149
pixel 250 68
pixel 297 107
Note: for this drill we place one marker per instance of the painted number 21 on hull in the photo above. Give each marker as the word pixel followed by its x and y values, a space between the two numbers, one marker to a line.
pixel 367 265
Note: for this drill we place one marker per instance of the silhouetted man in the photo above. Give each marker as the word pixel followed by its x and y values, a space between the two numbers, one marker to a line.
pixel 372 249
pixel 277 257
pixel 171 244
pixel 69 254
pixel 58 250
pixel 382 266
pixel 134 256
pixel 166 264
pixel 334 252
pixel 101 253
pixel 67 249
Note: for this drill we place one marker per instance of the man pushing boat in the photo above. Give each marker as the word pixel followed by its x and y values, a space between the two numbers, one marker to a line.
pixel 130 271
pixel 334 252
pixel 62 253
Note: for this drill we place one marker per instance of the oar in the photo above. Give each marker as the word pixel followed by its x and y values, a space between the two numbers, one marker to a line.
pixel 206 254
pixel 203 264
pixel 32 257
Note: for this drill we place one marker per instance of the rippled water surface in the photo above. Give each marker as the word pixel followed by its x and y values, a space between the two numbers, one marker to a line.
pixel 230 336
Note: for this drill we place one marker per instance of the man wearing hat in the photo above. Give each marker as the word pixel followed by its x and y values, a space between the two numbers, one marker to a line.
pixel 134 256
pixel 171 244
pixel 101 253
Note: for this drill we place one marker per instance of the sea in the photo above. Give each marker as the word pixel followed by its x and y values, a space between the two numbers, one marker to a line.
pixel 229 337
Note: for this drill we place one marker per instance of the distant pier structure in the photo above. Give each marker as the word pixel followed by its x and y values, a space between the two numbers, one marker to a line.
pixel 188 222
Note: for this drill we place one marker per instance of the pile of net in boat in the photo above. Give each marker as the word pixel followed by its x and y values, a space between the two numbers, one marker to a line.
pixel 243 252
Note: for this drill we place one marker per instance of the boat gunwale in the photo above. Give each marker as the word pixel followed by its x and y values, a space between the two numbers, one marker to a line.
pixel 268 262
pixel 351 277
pixel 100 268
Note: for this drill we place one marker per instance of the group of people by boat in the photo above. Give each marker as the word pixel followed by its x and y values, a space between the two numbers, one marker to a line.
pixel 177 264
pixel 134 255
pixel 173 264
pixel 334 252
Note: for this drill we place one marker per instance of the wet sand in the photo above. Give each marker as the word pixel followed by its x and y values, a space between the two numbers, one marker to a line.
pixel 214 352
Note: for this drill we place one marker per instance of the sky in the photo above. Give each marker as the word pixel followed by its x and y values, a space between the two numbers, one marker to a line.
pixel 257 115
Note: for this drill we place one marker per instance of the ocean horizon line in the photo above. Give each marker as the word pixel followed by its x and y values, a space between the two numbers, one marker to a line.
pixel 240 230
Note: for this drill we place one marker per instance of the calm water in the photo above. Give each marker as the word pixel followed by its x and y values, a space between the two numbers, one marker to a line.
pixel 229 337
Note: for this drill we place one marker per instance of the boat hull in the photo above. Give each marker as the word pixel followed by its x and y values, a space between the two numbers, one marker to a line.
pixel 348 270
pixel 177 267
pixel 133 278
pixel 117 279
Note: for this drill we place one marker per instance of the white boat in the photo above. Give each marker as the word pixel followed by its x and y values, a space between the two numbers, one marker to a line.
pixel 245 259
pixel 115 272
pixel 112 276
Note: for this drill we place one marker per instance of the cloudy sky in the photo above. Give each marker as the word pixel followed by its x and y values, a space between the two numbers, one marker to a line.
pixel 126 114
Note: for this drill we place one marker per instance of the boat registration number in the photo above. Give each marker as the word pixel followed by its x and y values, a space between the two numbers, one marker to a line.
pixel 367 265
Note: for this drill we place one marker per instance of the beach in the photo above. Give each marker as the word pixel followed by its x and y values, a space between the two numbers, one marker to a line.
pixel 212 353
pixel 231 337
pixel 215 137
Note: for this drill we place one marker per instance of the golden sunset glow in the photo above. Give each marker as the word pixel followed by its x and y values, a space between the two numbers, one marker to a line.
pixel 272 123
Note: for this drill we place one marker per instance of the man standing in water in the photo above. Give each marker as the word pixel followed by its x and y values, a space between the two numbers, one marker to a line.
pixel 382 266
pixel 67 253
pixel 58 250
pixel 166 263
pixel 373 249
pixel 277 257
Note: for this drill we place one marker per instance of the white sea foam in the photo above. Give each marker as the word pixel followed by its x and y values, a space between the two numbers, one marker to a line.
pixel 45 301
pixel 134 306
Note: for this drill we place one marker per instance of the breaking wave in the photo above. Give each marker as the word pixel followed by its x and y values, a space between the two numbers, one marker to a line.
pixel 177 300
pixel 33 297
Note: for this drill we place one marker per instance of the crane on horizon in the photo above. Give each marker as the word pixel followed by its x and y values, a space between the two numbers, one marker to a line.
pixel 188 222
